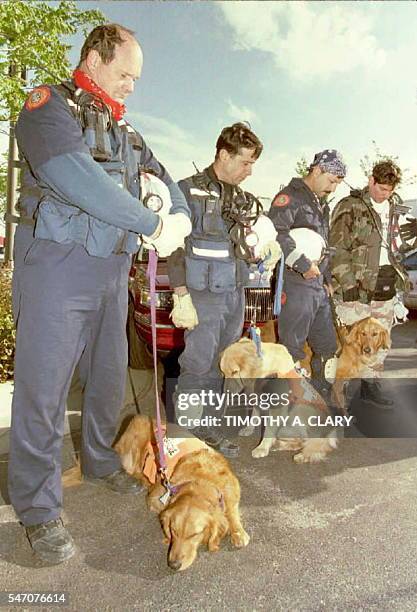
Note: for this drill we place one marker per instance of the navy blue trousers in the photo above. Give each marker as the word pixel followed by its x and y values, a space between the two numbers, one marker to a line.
pixel 70 308
pixel 306 315
pixel 221 318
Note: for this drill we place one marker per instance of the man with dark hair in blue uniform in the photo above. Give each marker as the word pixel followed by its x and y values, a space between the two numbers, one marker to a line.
pixel 81 212
pixel 209 275
pixel 306 314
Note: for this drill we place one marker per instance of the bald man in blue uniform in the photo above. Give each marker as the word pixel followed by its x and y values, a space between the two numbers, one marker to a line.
pixel 80 217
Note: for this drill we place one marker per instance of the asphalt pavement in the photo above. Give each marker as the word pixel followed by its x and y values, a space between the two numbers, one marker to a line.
pixel 340 535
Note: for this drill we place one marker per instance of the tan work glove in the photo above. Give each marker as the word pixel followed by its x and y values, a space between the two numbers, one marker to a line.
pixel 184 314
pixel 270 254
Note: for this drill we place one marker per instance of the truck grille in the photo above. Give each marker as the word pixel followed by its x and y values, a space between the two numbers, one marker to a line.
pixel 259 304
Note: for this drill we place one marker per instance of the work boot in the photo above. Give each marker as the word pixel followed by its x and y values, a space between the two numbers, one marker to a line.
pixel 371 392
pixel 216 440
pixel 118 481
pixel 50 541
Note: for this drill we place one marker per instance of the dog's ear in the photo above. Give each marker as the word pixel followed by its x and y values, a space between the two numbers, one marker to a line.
pixel 384 340
pixel 128 449
pixel 352 335
pixel 215 530
pixel 165 519
pixel 211 535
pixel 242 356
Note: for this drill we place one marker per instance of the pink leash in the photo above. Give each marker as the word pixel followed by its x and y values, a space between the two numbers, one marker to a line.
pixel 151 274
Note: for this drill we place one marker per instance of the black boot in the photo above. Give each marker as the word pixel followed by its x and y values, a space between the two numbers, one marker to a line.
pixel 371 392
pixel 214 438
pixel 50 541
pixel 119 481
pixel 319 382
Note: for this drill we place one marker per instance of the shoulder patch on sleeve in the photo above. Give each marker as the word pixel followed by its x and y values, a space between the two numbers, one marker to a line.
pixel 38 97
pixel 282 199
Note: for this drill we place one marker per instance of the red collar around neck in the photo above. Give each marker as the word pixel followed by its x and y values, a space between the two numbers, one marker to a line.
pixel 81 79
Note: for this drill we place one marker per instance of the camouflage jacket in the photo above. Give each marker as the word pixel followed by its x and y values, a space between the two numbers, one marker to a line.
pixel 355 240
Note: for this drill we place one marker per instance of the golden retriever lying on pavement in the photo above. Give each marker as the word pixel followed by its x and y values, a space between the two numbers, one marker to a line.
pixel 241 363
pixel 204 505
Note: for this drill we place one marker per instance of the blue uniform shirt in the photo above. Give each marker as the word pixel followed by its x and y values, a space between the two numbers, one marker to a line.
pixel 297 206
pixel 72 196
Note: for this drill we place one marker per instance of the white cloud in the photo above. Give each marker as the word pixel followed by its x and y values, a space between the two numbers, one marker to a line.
pixel 173 146
pixel 241 113
pixel 177 148
pixel 308 40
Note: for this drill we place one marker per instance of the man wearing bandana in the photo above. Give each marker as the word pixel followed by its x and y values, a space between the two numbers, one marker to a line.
pixel 306 313
pixel 81 212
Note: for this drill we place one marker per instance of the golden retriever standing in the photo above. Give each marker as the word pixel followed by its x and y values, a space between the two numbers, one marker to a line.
pixel 204 504
pixel 241 363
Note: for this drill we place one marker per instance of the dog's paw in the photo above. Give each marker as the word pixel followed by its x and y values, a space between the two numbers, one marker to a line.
pixel 247 431
pixel 240 539
pixel 214 546
pixel 311 458
pixel 259 452
pixel 288 444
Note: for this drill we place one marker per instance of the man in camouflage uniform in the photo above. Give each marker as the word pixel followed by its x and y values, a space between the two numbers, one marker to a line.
pixel 365 264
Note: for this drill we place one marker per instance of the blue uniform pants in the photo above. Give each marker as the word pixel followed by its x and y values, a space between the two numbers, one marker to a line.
pixel 306 316
pixel 221 317
pixel 70 308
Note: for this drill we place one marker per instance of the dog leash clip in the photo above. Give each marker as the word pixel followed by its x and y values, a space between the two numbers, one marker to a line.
pixel 255 334
pixel 164 499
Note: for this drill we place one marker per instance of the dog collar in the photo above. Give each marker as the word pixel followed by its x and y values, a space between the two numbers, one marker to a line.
pixel 172 490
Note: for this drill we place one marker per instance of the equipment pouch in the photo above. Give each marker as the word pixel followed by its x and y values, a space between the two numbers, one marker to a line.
pixel 212 224
pixel 385 284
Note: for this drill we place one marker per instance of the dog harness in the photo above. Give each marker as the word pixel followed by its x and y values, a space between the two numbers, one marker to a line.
pixel 174 449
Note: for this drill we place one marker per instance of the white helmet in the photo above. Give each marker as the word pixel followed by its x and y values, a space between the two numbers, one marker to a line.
pixel 155 194
pixel 265 232
pixel 308 243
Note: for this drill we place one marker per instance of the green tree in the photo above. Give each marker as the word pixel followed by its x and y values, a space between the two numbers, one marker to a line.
pixel 32 52
pixel 31 39
pixel 302 167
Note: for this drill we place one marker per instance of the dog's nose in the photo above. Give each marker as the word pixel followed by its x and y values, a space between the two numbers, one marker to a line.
pixel 174 565
pixel 367 349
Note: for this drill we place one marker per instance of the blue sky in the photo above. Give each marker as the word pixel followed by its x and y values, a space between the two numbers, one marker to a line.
pixel 307 75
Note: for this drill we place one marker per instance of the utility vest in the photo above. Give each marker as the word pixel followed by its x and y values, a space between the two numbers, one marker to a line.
pixel 209 251
pixel 117 147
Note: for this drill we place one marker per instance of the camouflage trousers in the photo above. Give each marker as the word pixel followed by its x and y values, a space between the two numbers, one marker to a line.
pixel 351 312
